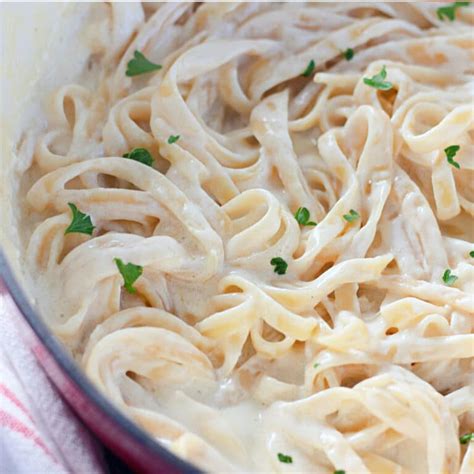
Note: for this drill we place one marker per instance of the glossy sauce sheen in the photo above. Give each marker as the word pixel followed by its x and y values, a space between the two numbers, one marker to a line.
pixel 359 356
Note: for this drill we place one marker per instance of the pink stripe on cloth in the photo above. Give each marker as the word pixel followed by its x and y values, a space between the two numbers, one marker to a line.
pixel 6 392
pixel 38 431
pixel 9 421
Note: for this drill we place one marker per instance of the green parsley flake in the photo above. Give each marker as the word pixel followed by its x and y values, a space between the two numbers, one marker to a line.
pixel 279 264
pixel 348 54
pixel 81 223
pixel 140 154
pixel 315 365
pixel 130 273
pixel 352 216
pixel 285 459
pixel 140 65
pixel 471 253
pixel 302 216
pixel 449 11
pixel 340 471
pixel 378 81
pixel 448 278
pixel 464 439
pixel 450 152
pixel 309 69
pixel 173 139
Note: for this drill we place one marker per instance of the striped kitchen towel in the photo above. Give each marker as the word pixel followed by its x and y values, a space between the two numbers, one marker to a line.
pixel 38 432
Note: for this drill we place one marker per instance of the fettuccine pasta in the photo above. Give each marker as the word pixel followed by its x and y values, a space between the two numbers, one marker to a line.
pixel 253 229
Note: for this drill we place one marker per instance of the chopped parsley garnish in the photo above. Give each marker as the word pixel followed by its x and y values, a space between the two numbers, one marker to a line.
pixel 140 65
pixel 471 253
pixel 279 264
pixel 340 471
pixel 464 439
pixel 173 139
pixel 449 11
pixel 352 216
pixel 315 365
pixel 451 153
pixel 140 154
pixel 309 69
pixel 448 278
pixel 284 458
pixel 130 273
pixel 378 81
pixel 302 216
pixel 81 223
pixel 348 54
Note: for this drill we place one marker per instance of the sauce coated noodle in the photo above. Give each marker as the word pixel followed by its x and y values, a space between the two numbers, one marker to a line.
pixel 357 355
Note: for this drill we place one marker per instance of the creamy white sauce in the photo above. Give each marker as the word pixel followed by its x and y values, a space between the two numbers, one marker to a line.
pixel 359 356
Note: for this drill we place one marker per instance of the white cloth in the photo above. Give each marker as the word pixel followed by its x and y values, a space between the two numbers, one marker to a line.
pixel 38 431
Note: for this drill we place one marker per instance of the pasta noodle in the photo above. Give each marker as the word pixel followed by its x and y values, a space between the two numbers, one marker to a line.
pixel 279 274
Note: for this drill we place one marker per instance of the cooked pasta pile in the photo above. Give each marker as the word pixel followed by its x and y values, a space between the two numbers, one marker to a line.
pixel 255 231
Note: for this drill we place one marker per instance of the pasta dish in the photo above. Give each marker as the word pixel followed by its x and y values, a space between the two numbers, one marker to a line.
pixel 252 225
